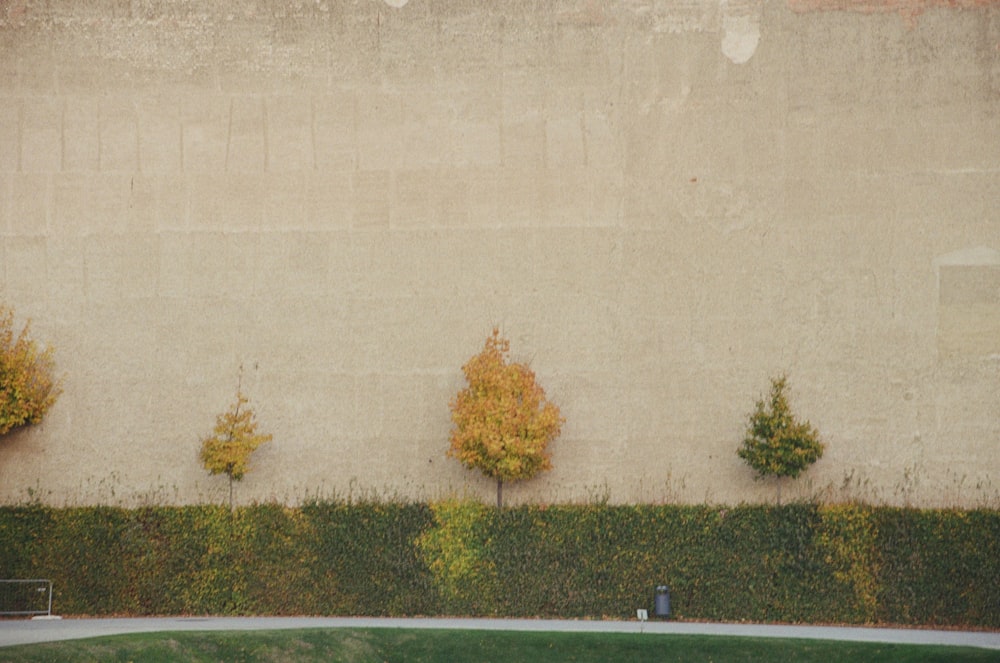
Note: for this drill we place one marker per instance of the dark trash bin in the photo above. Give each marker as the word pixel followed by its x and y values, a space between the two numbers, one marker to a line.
pixel 662 603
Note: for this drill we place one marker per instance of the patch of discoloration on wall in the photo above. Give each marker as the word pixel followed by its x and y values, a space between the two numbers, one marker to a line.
pixel 882 6
pixel 968 303
pixel 908 9
pixel 737 21
pixel 741 30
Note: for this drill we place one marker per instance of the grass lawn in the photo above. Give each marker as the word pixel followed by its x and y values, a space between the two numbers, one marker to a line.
pixel 442 646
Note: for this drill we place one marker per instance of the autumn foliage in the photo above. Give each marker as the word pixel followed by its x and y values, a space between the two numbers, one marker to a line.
pixel 776 443
pixel 227 451
pixel 27 384
pixel 502 420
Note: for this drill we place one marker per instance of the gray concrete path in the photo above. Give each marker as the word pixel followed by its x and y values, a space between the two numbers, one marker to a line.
pixel 19 632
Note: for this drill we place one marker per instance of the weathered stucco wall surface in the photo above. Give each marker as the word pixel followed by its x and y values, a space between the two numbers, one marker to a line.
pixel 662 205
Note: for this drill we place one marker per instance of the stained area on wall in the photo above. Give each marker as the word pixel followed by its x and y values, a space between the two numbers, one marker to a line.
pixel 968 303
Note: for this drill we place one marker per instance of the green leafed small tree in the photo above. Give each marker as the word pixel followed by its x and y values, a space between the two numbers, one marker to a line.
pixel 28 387
pixel 228 450
pixel 776 443
pixel 502 420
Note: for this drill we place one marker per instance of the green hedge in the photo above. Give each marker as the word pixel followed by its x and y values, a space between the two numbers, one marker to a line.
pixel 793 563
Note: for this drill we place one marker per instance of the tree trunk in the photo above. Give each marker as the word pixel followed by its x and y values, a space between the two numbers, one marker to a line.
pixel 499 493
pixel 230 494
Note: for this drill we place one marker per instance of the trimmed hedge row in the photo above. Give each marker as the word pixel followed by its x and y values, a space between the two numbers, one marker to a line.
pixel 793 563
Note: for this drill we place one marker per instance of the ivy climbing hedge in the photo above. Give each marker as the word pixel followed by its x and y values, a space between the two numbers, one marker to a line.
pixel 792 563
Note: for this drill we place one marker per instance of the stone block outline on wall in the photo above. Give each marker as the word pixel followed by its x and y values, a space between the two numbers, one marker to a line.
pixel 968 305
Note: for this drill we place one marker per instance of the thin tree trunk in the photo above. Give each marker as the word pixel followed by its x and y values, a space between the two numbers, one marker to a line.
pixel 499 493
pixel 230 494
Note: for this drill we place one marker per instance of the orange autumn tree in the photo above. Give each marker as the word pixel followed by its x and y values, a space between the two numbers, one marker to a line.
pixel 227 451
pixel 27 384
pixel 502 421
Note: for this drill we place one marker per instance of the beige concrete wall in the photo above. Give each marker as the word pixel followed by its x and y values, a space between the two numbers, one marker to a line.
pixel 661 204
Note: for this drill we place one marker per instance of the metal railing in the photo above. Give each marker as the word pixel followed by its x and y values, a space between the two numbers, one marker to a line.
pixel 25 597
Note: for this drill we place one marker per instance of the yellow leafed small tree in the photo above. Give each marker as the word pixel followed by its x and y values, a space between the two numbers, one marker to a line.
pixel 227 451
pixel 27 384
pixel 502 420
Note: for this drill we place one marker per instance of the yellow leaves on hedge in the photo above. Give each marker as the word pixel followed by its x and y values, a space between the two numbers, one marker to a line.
pixel 502 420
pixel 27 385
pixel 235 437
pixel 455 551
pixel 848 536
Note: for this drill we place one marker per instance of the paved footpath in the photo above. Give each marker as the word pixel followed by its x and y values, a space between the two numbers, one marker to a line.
pixel 20 632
